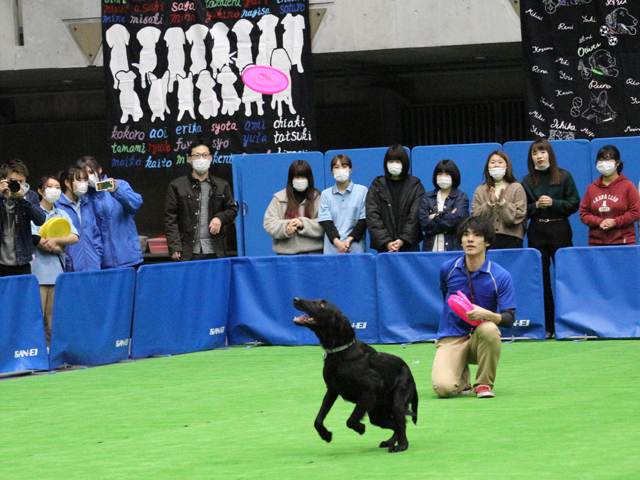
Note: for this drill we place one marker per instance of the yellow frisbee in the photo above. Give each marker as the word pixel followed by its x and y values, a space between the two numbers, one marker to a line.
pixel 55 227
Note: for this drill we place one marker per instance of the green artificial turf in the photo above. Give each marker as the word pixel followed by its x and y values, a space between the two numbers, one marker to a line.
pixel 563 410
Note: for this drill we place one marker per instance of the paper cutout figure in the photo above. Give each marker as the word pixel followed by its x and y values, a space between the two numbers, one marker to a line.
pixel 242 29
pixel 250 96
pixel 185 96
pixel 221 47
pixel 195 36
pixel 209 104
pixel 147 37
pixel 129 100
pixel 281 61
pixel 175 40
pixel 230 100
pixel 268 40
pixel 118 38
pixel 158 95
pixel 293 38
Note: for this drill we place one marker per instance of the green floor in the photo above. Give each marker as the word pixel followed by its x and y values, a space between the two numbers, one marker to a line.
pixel 563 410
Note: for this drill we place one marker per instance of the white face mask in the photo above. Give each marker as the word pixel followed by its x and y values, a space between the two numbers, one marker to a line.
pixel 300 185
pixel 542 168
pixel 606 167
pixel 93 179
pixel 81 188
pixel 201 165
pixel 444 182
pixel 341 175
pixel 51 195
pixel 394 169
pixel 497 173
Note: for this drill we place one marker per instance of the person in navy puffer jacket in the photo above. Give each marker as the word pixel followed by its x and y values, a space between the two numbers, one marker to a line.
pixel 114 210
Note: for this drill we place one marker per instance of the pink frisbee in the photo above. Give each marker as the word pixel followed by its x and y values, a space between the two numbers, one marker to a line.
pixel 460 304
pixel 263 79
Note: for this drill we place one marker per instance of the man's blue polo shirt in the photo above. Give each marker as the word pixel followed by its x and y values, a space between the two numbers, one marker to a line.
pixel 344 210
pixel 492 285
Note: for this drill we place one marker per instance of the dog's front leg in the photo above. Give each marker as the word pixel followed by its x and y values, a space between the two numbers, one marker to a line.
pixel 327 402
pixel 365 403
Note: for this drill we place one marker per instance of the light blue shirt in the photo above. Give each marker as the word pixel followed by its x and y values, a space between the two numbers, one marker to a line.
pixel 344 209
pixel 46 266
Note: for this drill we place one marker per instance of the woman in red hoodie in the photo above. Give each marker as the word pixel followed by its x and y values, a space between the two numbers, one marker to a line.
pixel 611 205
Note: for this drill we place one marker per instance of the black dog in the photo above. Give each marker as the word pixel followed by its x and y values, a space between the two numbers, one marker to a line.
pixel 379 384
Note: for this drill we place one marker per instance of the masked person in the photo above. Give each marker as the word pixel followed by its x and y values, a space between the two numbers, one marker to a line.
pixel 49 259
pixel 442 209
pixel 197 206
pixel 291 218
pixel 501 199
pixel 87 253
pixel 343 211
pixel 393 205
pixel 18 208
pixel 114 208
pixel 611 205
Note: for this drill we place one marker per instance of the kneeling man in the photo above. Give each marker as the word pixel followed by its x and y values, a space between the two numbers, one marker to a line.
pixel 489 287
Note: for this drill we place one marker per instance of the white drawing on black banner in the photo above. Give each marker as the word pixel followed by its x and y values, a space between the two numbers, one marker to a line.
pixel 268 40
pixel 552 5
pixel 174 38
pixel 561 135
pixel 129 101
pixel 293 39
pixel 230 100
pixel 618 22
pixel 250 96
pixel 599 109
pixel 118 39
pixel 242 29
pixel 158 95
pixel 576 105
pixel 195 36
pixel 280 60
pixel 185 96
pixel 148 38
pixel 209 104
pixel 601 62
pixel 221 52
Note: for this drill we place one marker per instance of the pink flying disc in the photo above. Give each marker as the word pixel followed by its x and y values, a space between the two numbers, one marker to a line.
pixel 460 304
pixel 263 79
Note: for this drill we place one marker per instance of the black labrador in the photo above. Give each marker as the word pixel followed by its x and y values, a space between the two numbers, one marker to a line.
pixel 378 383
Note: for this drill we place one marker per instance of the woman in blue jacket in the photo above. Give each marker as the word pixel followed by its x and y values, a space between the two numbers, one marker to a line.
pixel 442 209
pixel 114 210
pixel 87 253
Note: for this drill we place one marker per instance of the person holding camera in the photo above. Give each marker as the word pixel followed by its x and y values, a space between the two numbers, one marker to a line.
pixel 114 204
pixel 197 206
pixel 18 208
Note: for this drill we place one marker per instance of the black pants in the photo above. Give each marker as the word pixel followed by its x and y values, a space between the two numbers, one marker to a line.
pixel 10 270
pixel 506 241
pixel 547 238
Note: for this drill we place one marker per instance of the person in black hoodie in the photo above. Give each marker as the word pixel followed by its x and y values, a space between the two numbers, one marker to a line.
pixel 393 205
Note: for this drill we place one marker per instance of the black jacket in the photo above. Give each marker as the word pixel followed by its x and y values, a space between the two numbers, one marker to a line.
pixel 182 205
pixel 383 227
pixel 444 222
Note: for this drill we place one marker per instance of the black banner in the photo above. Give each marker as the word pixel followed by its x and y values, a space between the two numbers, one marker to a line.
pixel 582 66
pixel 174 74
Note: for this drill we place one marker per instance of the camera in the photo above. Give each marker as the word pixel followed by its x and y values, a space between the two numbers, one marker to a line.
pixel 14 185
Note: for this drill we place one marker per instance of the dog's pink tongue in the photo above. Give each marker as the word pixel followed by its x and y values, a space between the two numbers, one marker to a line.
pixel 300 319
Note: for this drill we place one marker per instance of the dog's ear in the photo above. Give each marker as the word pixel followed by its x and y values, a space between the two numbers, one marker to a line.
pixel 343 327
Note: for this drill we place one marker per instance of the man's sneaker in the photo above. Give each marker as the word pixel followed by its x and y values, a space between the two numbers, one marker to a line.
pixel 484 391
pixel 466 391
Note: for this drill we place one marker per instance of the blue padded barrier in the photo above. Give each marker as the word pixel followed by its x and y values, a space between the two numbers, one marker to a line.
pixel 263 288
pixel 470 160
pixel 181 307
pixel 92 314
pixel 238 196
pixel 23 345
pixel 597 292
pixel 261 176
pixel 572 155
pixel 410 301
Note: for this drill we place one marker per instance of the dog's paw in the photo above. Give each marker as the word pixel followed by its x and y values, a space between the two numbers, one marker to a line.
pixel 326 436
pixel 401 447
pixel 357 426
pixel 386 444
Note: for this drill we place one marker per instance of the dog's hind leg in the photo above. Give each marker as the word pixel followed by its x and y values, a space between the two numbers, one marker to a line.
pixel 327 402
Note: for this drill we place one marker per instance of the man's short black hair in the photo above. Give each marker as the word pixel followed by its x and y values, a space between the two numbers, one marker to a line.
pixel 478 225
pixel 13 165
pixel 200 143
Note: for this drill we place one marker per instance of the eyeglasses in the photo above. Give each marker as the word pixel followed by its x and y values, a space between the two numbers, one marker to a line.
pixel 200 155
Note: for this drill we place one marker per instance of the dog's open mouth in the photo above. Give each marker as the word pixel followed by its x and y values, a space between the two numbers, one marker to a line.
pixel 303 320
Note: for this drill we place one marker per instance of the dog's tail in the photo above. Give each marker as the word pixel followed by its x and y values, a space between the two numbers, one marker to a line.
pixel 414 405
